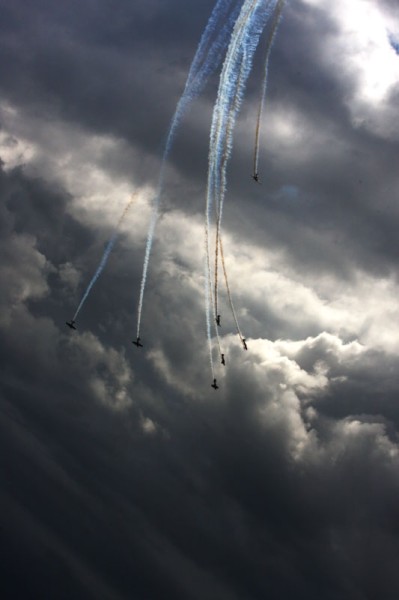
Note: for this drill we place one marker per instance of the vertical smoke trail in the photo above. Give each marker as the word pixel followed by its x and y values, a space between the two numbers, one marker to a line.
pixel 208 300
pixel 221 114
pixel 229 292
pixel 236 68
pixel 206 60
pixel 223 181
pixel 272 35
pixel 104 259
pixel 231 87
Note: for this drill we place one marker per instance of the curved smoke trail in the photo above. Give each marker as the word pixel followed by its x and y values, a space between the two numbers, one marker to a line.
pixel 208 299
pixel 229 131
pixel 236 68
pixel 217 147
pixel 229 292
pixel 272 35
pixel 104 259
pixel 207 58
pixel 223 188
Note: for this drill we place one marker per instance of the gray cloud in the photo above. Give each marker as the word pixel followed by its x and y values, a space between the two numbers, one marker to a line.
pixel 124 474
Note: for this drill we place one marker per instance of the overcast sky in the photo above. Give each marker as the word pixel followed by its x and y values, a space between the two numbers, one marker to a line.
pixel 123 473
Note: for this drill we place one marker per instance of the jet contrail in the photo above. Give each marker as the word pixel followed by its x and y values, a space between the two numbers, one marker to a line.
pixel 105 256
pixel 252 19
pixel 206 60
pixel 270 40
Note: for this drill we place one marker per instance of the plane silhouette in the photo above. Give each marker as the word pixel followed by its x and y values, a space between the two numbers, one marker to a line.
pixel 215 385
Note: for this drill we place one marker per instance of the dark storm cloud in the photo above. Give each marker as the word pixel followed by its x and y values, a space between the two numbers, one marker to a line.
pixel 218 500
pixel 104 69
pixel 342 216
pixel 95 508
pixel 123 475
pixel 100 66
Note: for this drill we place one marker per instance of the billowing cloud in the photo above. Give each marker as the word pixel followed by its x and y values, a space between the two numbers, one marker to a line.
pixel 125 474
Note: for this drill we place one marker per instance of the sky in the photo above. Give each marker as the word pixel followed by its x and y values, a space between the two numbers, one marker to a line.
pixel 124 474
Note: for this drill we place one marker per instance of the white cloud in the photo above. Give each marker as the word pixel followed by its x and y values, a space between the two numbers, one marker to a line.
pixel 359 50
pixel 148 426
pixel 23 273
pixel 79 161
pixel 109 374
pixel 69 275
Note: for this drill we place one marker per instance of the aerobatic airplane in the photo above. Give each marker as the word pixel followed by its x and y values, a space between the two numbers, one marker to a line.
pixel 215 385
pixel 71 324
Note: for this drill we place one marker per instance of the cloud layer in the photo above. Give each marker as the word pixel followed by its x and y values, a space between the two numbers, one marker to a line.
pixel 125 475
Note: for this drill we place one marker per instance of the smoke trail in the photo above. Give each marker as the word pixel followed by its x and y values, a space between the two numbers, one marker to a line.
pixel 104 259
pixel 236 68
pixel 223 181
pixel 231 87
pixel 208 300
pixel 221 114
pixel 228 143
pixel 272 35
pixel 228 291
pixel 206 60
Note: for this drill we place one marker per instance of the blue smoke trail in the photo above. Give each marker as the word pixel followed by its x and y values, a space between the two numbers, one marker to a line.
pixel 228 141
pixel 218 243
pixel 236 68
pixel 105 256
pixel 103 262
pixel 219 125
pixel 207 58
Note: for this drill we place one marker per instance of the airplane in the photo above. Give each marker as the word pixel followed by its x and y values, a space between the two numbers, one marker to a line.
pixel 218 320
pixel 71 324
pixel 244 343
pixel 222 359
pixel 215 385
pixel 137 343
pixel 255 177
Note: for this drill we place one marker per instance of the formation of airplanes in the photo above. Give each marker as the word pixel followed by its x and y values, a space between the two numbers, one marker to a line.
pixel 137 342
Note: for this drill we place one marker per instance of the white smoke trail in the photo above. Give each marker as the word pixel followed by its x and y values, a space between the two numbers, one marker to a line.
pixel 236 68
pixel 221 113
pixel 206 60
pixel 105 256
pixel 208 300
pixel 229 292
pixel 223 187
pixel 269 44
